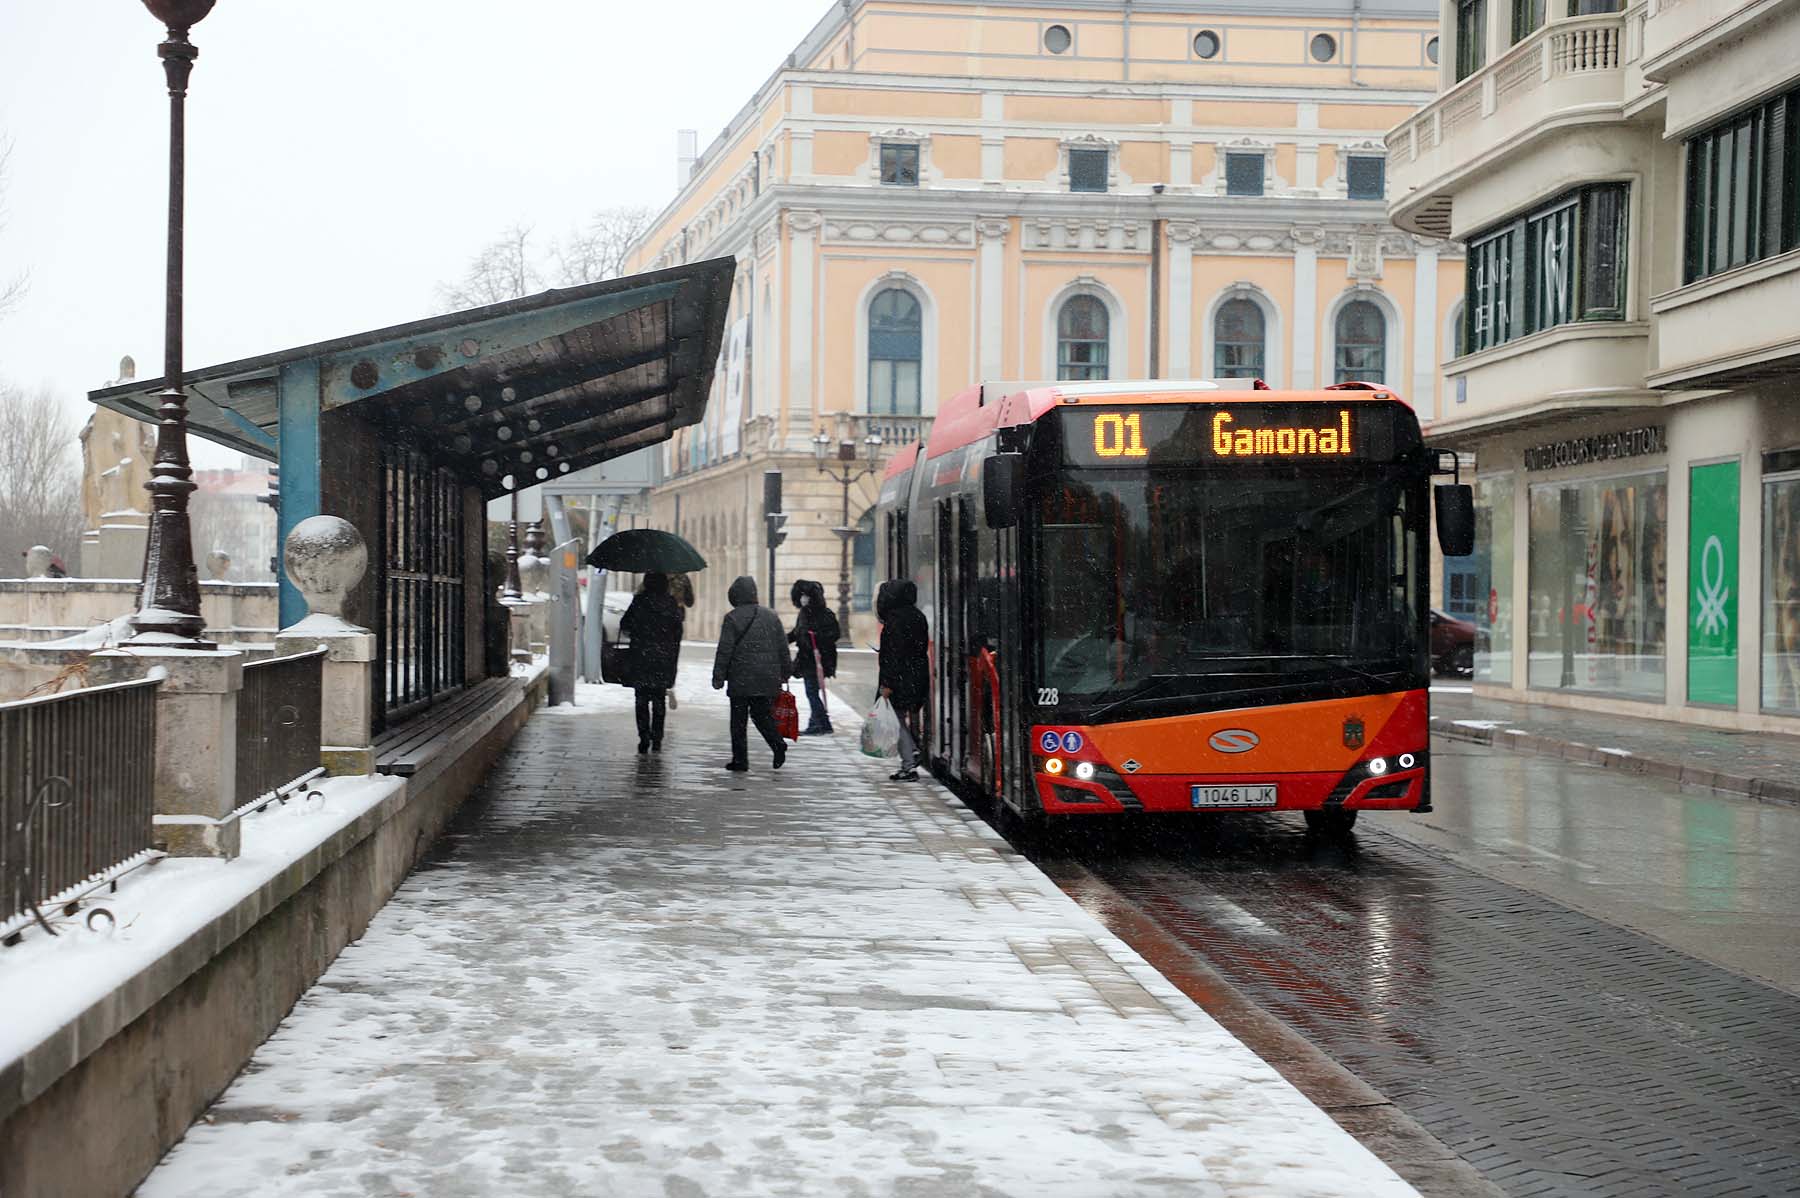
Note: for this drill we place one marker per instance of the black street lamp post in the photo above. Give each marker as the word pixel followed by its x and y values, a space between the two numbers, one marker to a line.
pixel 846 469
pixel 169 602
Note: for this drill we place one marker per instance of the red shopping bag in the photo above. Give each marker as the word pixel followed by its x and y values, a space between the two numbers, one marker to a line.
pixel 787 715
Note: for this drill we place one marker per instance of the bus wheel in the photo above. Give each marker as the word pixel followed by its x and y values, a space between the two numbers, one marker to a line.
pixel 1330 821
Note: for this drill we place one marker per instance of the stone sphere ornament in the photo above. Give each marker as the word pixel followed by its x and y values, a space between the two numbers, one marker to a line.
pixel 218 565
pixel 325 558
pixel 179 14
pixel 37 561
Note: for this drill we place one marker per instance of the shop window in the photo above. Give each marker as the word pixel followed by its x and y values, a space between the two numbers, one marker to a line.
pixel 1243 174
pixel 1557 264
pixel 1361 344
pixel 1781 583
pixel 1471 36
pixel 1493 581
pixel 1366 176
pixel 900 164
pixel 1087 170
pixel 895 348
pixel 1238 339
pixel 1082 330
pixel 1742 202
pixel 1598 586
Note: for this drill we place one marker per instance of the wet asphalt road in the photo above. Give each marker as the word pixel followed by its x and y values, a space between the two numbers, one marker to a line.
pixel 1584 983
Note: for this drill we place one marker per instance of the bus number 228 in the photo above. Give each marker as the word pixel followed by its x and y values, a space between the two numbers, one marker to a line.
pixel 1048 696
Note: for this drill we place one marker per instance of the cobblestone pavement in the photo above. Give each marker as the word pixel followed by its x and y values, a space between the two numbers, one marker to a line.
pixel 1559 1054
pixel 634 976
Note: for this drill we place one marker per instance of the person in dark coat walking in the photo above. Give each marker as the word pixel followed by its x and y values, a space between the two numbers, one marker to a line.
pixel 653 622
pixel 753 659
pixel 815 628
pixel 904 670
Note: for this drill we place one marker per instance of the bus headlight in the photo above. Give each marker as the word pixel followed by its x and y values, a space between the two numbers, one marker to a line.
pixel 1407 761
pixel 1378 766
pixel 1085 771
pixel 1053 766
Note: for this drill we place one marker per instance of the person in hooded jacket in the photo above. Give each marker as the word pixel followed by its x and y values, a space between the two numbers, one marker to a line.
pixel 904 671
pixel 653 622
pixel 815 628
pixel 753 659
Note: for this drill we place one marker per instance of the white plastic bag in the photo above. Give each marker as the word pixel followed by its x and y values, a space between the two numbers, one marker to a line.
pixel 881 731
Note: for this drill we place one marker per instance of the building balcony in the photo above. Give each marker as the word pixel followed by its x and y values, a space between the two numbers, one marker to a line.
pixel 1566 372
pixel 1731 329
pixel 1574 71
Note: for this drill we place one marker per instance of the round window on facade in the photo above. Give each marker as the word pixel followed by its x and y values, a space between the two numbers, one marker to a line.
pixel 1324 47
pixel 1057 39
pixel 1431 51
pixel 1206 44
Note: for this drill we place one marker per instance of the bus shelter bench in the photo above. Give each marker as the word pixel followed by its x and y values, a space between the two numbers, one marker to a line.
pixel 410 746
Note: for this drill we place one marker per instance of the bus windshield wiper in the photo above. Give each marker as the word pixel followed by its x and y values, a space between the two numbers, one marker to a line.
pixel 1338 660
pixel 1142 690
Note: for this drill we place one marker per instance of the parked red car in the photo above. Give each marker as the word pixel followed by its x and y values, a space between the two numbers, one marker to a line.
pixel 1452 645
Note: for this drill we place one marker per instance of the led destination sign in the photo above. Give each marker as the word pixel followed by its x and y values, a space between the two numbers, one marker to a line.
pixel 1168 435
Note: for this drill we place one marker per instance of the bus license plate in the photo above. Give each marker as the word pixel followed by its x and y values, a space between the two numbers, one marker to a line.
pixel 1234 796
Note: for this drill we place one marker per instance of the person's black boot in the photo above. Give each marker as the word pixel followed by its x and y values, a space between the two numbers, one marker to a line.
pixel 738 767
pixel 780 755
pixel 643 747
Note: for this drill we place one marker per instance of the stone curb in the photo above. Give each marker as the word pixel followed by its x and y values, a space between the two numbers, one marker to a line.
pixel 1770 790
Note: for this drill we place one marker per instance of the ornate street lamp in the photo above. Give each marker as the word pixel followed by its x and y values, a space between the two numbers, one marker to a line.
pixel 846 469
pixel 169 602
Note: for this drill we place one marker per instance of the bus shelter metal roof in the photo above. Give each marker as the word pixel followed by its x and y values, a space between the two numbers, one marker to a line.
pixel 506 396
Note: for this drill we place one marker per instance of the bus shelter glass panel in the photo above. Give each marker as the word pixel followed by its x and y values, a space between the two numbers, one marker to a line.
pixel 1781 593
pixel 1494 579
pixel 1599 585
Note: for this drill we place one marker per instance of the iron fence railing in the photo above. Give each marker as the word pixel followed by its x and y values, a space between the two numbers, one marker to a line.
pixel 421 624
pixel 77 782
pixel 278 724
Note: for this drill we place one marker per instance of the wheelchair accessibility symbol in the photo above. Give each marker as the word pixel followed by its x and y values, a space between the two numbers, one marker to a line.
pixel 1050 741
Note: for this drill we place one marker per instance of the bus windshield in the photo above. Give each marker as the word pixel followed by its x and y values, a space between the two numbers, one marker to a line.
pixel 1153 577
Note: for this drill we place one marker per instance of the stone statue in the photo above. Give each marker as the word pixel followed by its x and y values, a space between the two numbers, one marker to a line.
pixel 116 452
pixel 218 565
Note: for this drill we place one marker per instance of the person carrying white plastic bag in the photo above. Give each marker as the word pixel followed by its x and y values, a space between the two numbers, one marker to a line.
pixel 881 731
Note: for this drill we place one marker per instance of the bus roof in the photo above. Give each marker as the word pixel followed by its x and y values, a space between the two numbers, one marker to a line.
pixel 973 413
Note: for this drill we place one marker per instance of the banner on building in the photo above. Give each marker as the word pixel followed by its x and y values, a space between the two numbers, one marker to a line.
pixel 1712 584
pixel 731 371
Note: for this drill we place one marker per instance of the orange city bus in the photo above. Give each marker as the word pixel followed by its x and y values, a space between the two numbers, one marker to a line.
pixel 1176 596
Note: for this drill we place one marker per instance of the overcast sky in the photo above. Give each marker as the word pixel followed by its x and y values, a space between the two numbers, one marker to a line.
pixel 344 156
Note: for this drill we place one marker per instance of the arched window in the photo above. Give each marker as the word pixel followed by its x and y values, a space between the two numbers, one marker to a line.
pixel 862 560
pixel 1081 339
pixel 895 337
pixel 1238 340
pixel 1361 343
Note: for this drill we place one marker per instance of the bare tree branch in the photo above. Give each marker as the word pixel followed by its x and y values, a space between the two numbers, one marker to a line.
pixel 501 270
pixel 598 251
pixel 40 478
pixel 507 268
pixel 11 290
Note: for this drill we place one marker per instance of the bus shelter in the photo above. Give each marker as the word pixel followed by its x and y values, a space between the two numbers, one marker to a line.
pixel 407 432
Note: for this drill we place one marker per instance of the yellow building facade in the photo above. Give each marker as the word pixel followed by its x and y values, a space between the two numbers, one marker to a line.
pixel 926 195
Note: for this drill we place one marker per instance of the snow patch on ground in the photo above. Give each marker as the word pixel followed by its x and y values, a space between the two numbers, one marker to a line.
pixel 48 981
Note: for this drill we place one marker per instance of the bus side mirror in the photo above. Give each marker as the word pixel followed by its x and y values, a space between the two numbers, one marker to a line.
pixel 1000 477
pixel 1455 518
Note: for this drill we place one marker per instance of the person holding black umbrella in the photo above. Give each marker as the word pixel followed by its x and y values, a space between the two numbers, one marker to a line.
pixel 653 622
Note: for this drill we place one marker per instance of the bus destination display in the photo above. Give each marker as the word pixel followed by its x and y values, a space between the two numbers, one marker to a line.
pixel 1169 435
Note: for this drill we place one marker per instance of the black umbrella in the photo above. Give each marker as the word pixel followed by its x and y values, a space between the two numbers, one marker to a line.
pixel 646 551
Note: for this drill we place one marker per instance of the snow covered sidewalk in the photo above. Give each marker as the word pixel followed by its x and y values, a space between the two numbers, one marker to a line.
pixel 626 975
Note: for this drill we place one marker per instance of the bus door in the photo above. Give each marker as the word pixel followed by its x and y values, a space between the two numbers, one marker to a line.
pixel 943 634
pixel 968 624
